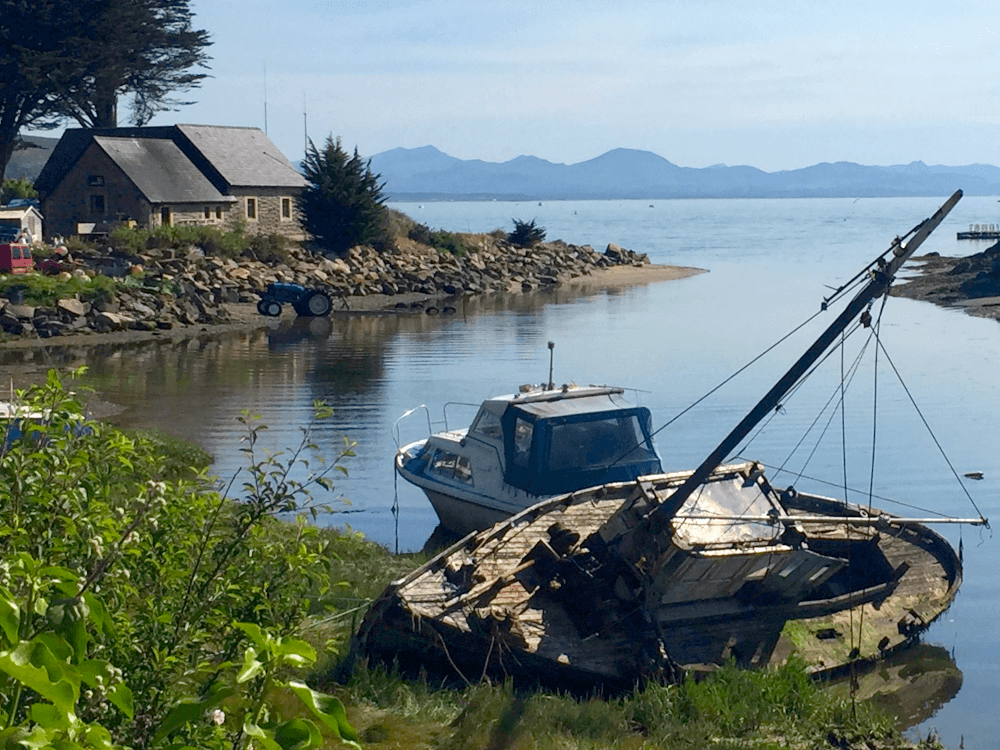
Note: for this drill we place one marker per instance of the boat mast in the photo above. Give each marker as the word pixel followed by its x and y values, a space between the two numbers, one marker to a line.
pixel 881 278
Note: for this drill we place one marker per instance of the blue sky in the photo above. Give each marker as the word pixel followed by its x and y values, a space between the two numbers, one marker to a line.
pixel 777 85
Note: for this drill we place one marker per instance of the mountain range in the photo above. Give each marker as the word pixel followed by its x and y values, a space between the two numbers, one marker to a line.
pixel 429 174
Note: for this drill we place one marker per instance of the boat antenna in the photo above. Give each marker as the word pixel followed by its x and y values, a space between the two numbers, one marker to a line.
pixel 878 284
pixel 552 351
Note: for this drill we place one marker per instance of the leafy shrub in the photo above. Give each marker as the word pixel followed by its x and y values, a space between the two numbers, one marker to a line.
pixel 211 240
pixel 268 248
pixel 421 233
pixel 45 291
pixel 19 188
pixel 441 239
pixel 132 606
pixel 343 205
pixel 526 234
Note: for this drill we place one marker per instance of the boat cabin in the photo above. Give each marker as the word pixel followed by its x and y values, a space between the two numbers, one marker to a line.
pixel 563 442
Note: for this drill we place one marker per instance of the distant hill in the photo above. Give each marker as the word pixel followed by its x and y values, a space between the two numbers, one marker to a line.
pixel 29 157
pixel 429 174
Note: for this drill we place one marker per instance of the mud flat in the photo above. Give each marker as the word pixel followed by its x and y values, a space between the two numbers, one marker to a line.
pixel 971 283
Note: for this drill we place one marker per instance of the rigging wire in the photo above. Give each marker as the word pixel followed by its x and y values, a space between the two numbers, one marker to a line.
pixel 753 361
pixel 791 393
pixel 929 430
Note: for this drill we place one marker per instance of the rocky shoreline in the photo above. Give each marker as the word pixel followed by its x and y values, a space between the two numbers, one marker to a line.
pixel 971 282
pixel 169 290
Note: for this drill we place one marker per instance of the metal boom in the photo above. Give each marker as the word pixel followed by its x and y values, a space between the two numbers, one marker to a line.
pixel 881 279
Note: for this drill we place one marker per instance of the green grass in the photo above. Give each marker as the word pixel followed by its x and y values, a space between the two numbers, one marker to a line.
pixel 732 708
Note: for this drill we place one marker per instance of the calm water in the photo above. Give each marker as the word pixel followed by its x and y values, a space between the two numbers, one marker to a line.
pixel 768 262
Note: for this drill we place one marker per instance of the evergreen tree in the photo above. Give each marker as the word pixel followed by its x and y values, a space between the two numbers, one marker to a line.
pixel 343 205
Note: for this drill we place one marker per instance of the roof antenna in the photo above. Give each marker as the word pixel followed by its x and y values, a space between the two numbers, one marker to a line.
pixel 552 352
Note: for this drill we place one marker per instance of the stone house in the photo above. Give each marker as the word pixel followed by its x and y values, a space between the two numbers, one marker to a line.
pixel 173 175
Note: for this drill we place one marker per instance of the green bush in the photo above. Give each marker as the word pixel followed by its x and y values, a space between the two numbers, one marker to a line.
pixel 268 248
pixel 526 234
pixel 45 291
pixel 148 612
pixel 421 233
pixel 19 188
pixel 211 240
pixel 450 242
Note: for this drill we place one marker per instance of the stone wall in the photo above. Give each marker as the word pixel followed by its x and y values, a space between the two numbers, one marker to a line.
pixel 270 217
pixel 184 287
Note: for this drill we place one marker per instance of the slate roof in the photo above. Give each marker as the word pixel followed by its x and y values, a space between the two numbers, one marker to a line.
pixel 226 157
pixel 244 157
pixel 160 170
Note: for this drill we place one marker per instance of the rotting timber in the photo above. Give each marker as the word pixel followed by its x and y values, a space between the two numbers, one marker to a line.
pixel 673 572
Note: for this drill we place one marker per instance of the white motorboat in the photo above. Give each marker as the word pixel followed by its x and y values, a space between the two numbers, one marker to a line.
pixel 525 447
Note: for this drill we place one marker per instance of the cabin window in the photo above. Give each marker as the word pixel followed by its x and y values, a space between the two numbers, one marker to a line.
pixel 208 212
pixel 523 433
pixel 218 212
pixel 488 426
pixel 450 466
pixel 286 208
pixel 165 216
pixel 97 205
pixel 252 208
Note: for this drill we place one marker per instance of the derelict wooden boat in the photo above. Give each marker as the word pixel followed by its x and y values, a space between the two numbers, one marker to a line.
pixel 539 596
pixel 647 578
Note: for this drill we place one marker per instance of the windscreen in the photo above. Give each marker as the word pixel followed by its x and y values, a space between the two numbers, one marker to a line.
pixel 597 443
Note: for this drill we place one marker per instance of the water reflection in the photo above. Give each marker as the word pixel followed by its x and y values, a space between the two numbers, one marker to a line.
pixel 910 686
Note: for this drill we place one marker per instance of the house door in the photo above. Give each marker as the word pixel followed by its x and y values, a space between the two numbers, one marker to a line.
pixel 165 216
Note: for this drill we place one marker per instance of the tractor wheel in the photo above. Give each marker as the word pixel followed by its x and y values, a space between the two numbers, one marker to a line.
pixel 262 307
pixel 317 303
pixel 271 308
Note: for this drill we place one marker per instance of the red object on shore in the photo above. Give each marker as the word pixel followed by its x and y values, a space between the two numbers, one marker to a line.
pixel 15 258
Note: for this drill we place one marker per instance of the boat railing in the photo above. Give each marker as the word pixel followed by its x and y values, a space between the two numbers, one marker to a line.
pixel 395 426
pixel 455 403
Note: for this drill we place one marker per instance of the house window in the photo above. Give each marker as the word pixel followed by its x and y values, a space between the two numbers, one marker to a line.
pixel 252 208
pixel 218 212
pixel 165 216
pixel 286 208
pixel 95 180
pixel 97 205
pixel 208 212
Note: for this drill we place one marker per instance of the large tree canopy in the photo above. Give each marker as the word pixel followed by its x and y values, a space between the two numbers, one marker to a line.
pixel 73 59
pixel 145 48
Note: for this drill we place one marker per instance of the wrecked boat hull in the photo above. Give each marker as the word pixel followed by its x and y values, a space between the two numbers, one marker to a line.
pixel 473 609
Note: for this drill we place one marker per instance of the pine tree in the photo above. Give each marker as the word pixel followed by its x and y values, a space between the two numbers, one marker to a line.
pixel 343 205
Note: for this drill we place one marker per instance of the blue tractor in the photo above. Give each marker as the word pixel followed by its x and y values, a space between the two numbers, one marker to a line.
pixel 306 302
